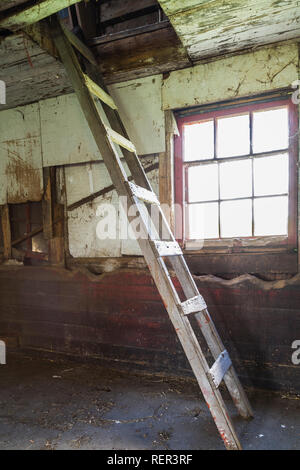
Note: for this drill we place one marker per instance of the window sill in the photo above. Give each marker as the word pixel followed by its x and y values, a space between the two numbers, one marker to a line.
pixel 261 261
pixel 241 255
pixel 237 245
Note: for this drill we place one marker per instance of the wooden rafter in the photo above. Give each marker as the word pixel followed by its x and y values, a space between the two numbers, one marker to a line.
pixel 33 13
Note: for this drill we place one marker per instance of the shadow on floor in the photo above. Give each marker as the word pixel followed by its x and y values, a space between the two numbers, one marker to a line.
pixel 70 405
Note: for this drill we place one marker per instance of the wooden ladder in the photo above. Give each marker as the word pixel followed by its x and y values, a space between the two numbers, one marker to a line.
pixel 110 135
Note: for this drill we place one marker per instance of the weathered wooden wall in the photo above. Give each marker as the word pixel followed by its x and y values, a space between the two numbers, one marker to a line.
pixel 29 72
pixel 210 28
pixel 120 317
pixel 21 175
pixel 62 137
pixel 266 69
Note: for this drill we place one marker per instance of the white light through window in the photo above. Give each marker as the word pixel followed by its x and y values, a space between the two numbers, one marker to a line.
pixel 271 175
pixel 235 179
pixel 244 190
pixel 233 136
pixel 271 216
pixel 203 183
pixel 199 141
pixel 203 221
pixel 236 218
pixel 270 130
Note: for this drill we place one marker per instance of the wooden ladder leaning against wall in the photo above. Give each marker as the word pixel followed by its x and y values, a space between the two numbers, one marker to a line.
pixel 116 148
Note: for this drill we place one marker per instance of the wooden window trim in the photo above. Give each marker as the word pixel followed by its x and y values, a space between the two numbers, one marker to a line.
pixel 251 245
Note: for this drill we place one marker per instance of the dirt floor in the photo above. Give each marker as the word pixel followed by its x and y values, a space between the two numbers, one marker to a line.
pixel 62 404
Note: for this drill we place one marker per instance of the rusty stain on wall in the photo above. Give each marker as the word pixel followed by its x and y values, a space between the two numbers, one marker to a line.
pixel 21 174
pixel 24 182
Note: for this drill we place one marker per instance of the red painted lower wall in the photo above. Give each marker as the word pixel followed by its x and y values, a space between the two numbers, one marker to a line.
pixel 119 317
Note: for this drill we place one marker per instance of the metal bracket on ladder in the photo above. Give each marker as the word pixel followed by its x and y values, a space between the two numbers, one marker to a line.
pixel 194 305
pixel 155 250
pixel 219 368
pixel 166 248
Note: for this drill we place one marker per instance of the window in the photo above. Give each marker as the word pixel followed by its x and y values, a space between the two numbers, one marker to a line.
pixel 235 173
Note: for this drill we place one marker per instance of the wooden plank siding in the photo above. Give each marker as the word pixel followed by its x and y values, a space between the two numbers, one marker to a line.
pixel 32 13
pixel 209 29
pixel 87 316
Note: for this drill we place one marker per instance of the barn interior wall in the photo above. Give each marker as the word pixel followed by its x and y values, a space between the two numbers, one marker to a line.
pixel 79 310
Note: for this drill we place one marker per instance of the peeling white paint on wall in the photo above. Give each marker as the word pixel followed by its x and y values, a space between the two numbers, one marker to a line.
pixel 211 28
pixel 83 242
pixel 139 104
pixel 67 138
pixel 131 247
pixel 80 177
pixel 20 155
pixel 82 222
pixel 266 69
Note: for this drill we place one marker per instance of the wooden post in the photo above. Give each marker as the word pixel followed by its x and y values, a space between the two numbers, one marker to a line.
pixel 53 214
pixel 166 169
pixel 56 244
pixel 5 222
pixel 48 204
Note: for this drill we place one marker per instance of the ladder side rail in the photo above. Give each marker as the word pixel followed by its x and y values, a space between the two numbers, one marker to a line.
pixel 187 338
pixel 208 328
pixel 132 160
pixel 88 106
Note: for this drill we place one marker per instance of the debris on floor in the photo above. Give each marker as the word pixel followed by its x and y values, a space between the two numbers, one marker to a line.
pixel 95 407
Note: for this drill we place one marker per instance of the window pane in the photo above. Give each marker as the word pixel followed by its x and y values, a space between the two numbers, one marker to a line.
pixel 270 130
pixel 199 141
pixel 203 182
pixel 233 136
pixel 271 175
pixel 271 216
pixel 236 217
pixel 235 179
pixel 203 221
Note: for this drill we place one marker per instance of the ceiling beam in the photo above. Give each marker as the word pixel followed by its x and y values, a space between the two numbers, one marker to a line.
pixel 19 19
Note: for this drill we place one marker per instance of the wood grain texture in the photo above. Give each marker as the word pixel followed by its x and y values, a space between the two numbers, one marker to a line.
pixel 32 13
pixel 212 28
pixel 119 8
pixel 30 73
pixel 6 232
pixel 20 155
pixel 6 4
pixel 254 72
pixel 88 316
pixel 145 54
pixel 166 170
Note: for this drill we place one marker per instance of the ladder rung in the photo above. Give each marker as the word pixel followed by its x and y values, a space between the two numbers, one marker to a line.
pixel 97 91
pixel 166 248
pixel 143 194
pixel 219 368
pixel 120 139
pixel 194 305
